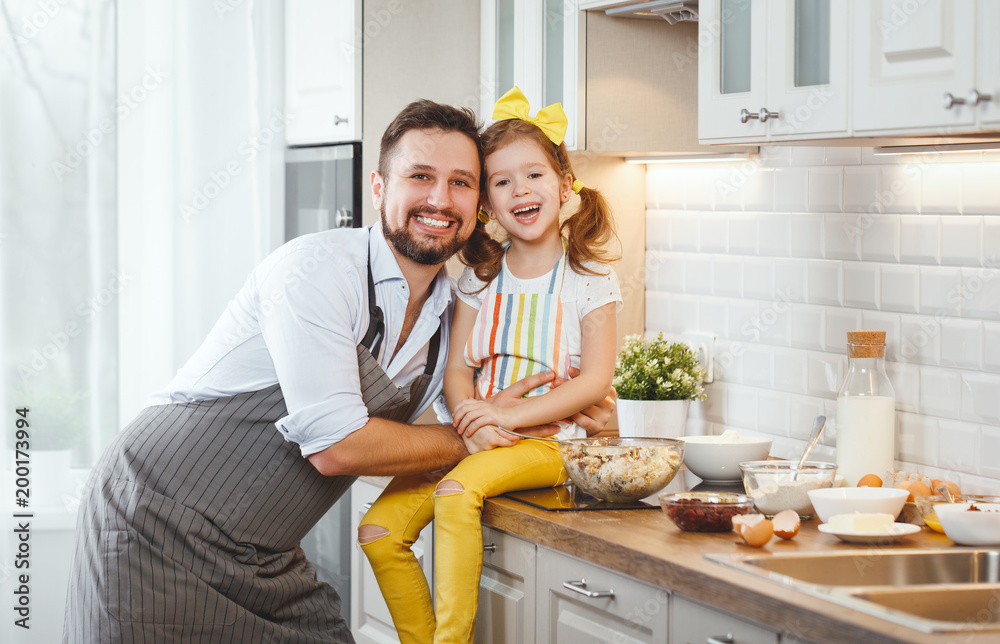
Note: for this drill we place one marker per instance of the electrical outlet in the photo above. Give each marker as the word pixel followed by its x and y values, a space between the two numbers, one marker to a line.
pixel 704 346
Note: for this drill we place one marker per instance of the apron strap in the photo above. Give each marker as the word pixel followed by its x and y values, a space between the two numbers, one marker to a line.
pixel 376 322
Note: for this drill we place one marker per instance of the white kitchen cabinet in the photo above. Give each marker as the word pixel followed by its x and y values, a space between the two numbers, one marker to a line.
pixel 989 64
pixel 370 619
pixel 323 40
pixel 908 56
pixel 772 70
pixel 506 613
pixel 694 623
pixel 536 45
pixel 581 603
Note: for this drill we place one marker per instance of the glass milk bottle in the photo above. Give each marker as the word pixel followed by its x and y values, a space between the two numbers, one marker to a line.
pixel 866 410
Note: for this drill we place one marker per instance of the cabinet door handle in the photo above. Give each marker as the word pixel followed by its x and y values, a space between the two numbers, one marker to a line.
pixel 581 587
pixel 763 115
pixel 366 507
pixel 338 119
pixel 721 639
pixel 951 101
pixel 975 98
pixel 490 547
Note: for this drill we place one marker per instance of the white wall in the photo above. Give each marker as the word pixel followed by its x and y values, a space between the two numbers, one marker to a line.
pixel 781 255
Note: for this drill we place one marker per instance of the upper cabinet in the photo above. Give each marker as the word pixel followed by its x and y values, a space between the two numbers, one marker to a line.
pixel 772 71
pixel 323 71
pixel 877 71
pixel 535 45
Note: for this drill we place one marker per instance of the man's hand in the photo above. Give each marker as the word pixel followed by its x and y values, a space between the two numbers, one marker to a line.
pixel 488 438
pixel 593 419
pixel 471 415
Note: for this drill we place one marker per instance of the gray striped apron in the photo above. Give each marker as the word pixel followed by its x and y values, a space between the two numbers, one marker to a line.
pixel 189 528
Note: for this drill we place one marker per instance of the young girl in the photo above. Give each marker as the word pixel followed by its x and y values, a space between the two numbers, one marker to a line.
pixel 545 301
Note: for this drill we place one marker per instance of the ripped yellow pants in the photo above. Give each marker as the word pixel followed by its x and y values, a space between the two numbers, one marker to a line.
pixel 455 502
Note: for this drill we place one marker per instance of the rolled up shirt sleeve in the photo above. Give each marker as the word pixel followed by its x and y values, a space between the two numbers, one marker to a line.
pixel 309 320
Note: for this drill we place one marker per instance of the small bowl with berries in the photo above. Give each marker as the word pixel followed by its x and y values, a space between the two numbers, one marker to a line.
pixel 704 511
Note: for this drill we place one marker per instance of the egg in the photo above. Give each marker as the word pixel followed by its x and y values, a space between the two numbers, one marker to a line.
pixel 870 480
pixel 754 529
pixel 915 488
pixel 786 524
pixel 952 487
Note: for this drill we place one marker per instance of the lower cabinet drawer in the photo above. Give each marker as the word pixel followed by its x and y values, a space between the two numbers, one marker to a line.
pixel 582 603
pixel 694 623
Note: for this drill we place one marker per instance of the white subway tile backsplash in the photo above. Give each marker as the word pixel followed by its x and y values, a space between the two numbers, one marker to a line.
pixel 888 322
pixel 728 276
pixel 714 316
pixel 790 369
pixel 825 373
pixel 920 239
pixel 684 313
pixel 842 155
pixel 961 240
pixel 880 240
pixel 958 445
pixel 741 407
pixel 861 285
pixel 941 189
pixel 758 366
pixel 743 234
pixel 842 236
pixel 790 279
pixel 979 190
pixel 774 235
pixel 917 439
pixel 838 323
pixel 698 274
pixel 940 290
pixel 980 402
pixel 980 293
pixel 826 189
pixel 905 379
pixel 899 189
pixel 806 236
pixel 657 230
pixel 713 233
pixel 900 288
pixel 758 278
pixel 684 231
pixel 991 347
pixel 961 343
pixel 815 242
pixel 861 190
pixel 825 282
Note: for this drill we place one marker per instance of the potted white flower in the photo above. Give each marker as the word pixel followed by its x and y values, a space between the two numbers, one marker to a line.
pixel 656 381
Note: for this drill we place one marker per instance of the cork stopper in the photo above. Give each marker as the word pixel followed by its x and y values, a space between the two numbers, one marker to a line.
pixel 866 344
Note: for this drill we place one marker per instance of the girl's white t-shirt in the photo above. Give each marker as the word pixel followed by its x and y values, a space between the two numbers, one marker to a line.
pixel 581 294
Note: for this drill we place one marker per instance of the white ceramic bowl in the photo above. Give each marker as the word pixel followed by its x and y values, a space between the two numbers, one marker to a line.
pixel 867 500
pixel 970 528
pixel 713 460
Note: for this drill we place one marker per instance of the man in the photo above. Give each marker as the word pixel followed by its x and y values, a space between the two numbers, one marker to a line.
pixel 190 525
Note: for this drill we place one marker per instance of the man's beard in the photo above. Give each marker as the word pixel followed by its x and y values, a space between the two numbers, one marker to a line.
pixel 427 253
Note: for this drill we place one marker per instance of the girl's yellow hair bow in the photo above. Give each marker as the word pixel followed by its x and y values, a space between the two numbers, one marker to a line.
pixel 551 120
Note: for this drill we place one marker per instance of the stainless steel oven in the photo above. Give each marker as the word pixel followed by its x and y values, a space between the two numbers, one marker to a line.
pixel 322 188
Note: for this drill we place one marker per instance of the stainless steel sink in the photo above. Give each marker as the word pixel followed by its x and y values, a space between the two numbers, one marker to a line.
pixel 885 568
pixel 933 590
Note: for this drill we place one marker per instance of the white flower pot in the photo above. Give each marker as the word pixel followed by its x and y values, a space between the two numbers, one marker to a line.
pixel 652 418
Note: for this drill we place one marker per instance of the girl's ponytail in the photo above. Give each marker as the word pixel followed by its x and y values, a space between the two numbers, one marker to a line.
pixel 588 230
pixel 483 253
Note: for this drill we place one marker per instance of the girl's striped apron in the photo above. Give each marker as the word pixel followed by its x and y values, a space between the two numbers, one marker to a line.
pixel 190 525
pixel 518 334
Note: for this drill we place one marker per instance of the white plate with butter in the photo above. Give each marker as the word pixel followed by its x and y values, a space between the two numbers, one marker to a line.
pixel 897 532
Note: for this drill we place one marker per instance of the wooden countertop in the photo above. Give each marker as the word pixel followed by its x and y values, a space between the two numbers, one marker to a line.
pixel 645 544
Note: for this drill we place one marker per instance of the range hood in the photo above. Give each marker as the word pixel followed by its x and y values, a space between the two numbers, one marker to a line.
pixel 673 11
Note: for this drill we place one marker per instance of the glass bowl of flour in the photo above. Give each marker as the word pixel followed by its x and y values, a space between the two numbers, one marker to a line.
pixel 780 485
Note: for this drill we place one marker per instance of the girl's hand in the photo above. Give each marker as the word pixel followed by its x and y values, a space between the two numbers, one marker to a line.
pixel 471 415
pixel 487 438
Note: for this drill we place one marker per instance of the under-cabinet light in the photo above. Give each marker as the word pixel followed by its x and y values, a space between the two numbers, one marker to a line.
pixel 691 158
pixel 942 148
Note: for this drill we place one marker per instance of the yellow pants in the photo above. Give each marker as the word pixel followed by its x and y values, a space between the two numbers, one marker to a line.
pixel 456 504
